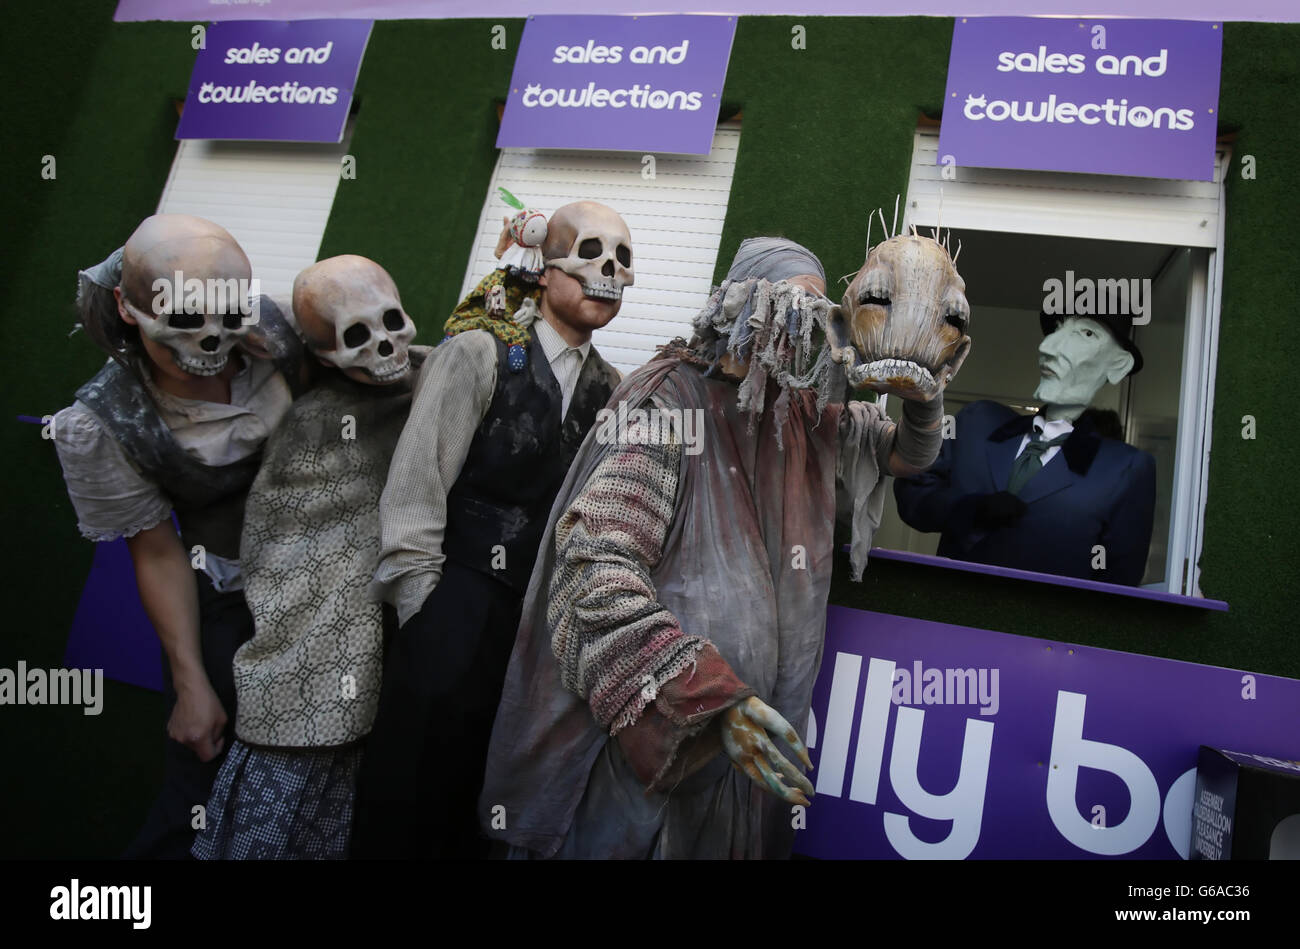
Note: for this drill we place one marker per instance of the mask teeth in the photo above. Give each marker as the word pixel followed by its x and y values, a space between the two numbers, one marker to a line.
pixel 900 367
pixel 394 373
pixel 200 369
pixel 603 293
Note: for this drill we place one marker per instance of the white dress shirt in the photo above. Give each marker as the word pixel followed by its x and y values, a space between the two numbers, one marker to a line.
pixel 566 361
pixel 114 499
pixel 1047 431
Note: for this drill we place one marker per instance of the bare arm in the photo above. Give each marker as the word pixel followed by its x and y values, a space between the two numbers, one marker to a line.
pixel 169 592
pixel 113 500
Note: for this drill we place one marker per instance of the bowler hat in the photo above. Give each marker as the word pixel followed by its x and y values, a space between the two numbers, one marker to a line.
pixel 1121 327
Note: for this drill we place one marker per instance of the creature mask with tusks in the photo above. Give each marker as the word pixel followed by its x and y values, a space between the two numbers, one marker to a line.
pixel 348 309
pixel 591 243
pixel 902 325
pixel 178 249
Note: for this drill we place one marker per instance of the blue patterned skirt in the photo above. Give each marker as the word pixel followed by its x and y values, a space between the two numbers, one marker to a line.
pixel 281 804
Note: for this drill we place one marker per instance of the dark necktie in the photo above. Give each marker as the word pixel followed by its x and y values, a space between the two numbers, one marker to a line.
pixel 1030 461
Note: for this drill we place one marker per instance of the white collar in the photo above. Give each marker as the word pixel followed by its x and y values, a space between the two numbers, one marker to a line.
pixel 1051 429
pixel 553 344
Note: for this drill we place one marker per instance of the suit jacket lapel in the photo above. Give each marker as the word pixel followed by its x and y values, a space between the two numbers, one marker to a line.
pixel 1000 449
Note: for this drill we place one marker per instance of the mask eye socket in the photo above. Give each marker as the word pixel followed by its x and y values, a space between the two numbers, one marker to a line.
pixel 624 255
pixel 232 321
pixel 185 321
pixel 393 320
pixel 876 298
pixel 590 248
pixel 356 335
pixel 957 320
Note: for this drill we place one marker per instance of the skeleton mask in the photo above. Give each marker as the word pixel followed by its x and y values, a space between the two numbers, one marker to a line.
pixel 348 309
pixel 186 284
pixel 591 243
pixel 902 325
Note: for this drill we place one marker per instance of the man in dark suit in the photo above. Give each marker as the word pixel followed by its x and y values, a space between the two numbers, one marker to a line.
pixel 1045 492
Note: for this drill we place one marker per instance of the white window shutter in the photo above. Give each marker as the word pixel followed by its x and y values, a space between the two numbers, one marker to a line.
pixel 1100 207
pixel 675 218
pixel 273 197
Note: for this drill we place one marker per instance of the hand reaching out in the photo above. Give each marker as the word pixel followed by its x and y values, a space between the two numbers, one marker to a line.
pixel 745 739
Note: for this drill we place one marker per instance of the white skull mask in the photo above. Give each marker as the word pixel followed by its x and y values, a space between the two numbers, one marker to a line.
pixel 596 248
pixel 199 336
pixel 186 284
pixel 349 310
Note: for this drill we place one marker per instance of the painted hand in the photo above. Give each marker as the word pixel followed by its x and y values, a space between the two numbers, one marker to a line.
pixel 745 728
pixel 198 721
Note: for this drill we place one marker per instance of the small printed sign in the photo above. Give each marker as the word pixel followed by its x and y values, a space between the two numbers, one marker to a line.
pixel 621 83
pixel 274 81
pixel 1108 97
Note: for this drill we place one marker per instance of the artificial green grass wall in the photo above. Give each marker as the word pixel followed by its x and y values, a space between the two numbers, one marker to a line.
pixel 99 98
pixel 827 136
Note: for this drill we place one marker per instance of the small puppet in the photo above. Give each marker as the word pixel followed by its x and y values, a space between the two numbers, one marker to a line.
pixel 519 248
pixel 505 301
pixel 308 680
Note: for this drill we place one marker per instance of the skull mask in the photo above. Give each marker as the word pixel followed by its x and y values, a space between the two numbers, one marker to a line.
pixel 348 309
pixel 902 325
pixel 186 285
pixel 591 243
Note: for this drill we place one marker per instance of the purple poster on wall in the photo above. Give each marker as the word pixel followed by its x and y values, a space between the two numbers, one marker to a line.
pixel 1108 97
pixel 644 83
pixel 938 741
pixel 274 81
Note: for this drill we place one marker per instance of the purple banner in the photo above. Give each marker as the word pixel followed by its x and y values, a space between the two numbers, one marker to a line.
pixel 646 84
pixel 1108 97
pixel 110 630
pixel 938 741
pixel 190 10
pixel 275 81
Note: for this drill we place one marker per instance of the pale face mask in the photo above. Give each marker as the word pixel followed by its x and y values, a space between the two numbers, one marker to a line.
pixel 1075 360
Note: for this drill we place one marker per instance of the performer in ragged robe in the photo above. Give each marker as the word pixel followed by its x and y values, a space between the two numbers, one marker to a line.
pixel 674 624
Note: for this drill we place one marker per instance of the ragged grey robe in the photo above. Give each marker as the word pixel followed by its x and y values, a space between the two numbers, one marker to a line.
pixel 746 565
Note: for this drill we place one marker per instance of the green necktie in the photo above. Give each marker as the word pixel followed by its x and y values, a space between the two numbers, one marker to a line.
pixel 1030 461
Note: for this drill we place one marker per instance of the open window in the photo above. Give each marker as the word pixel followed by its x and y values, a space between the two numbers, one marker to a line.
pixel 1020 228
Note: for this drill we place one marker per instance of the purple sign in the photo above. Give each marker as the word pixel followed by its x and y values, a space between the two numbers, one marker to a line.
pixel 275 81
pixel 190 10
pixel 645 84
pixel 1108 97
pixel 938 741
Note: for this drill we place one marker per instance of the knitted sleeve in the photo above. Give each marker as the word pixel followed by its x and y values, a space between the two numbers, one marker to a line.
pixel 646 680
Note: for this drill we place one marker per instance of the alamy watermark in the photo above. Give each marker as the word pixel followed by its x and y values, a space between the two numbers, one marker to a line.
pixel 934 686
pixel 1084 296
pixel 82 901
pixel 23 686
pixel 209 295
pixel 652 426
